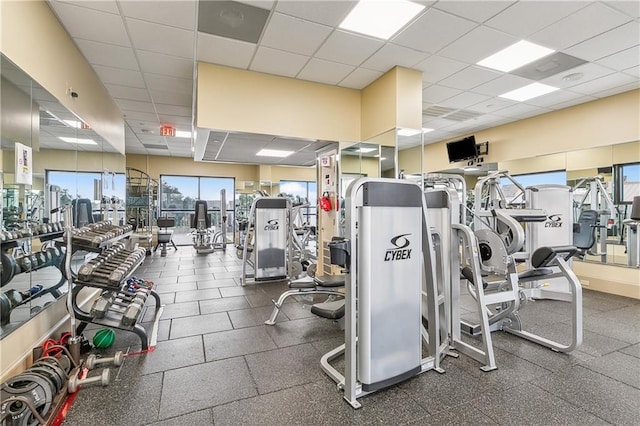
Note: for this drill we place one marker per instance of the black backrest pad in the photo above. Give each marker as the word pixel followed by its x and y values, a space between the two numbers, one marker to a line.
pixel 585 237
pixel 545 256
pixel 391 194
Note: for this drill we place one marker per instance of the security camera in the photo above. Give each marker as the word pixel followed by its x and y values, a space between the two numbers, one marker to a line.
pixel 74 94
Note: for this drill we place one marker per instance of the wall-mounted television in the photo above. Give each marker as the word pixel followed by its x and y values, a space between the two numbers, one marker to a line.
pixel 463 149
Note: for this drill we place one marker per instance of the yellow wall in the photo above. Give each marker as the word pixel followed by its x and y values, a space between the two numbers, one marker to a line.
pixel 35 41
pixel 237 100
pixel 20 117
pixel 609 121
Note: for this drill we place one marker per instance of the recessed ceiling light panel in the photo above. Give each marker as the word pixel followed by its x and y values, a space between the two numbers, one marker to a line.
pixel 365 150
pixel 515 56
pixel 273 153
pixel 530 91
pixel 182 134
pixel 380 19
pixel 78 140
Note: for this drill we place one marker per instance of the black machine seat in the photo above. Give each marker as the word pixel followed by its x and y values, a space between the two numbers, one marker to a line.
pixel 82 212
pixel 546 256
pixel 201 219
pixel 329 281
pixel 584 231
pixel 165 235
pixel 332 310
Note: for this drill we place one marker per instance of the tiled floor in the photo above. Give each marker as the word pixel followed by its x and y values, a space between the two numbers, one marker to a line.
pixel 217 363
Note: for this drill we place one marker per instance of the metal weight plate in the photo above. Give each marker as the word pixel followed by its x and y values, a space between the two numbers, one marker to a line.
pixel 295 269
pixel 31 386
pixel 54 368
pixel 9 267
pixel 47 372
pixel 311 270
pixel 63 362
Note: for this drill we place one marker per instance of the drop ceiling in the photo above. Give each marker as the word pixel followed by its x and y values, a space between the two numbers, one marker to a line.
pixel 145 51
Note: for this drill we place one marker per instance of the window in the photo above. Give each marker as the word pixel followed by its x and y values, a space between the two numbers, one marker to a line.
pixel 627 182
pixel 306 192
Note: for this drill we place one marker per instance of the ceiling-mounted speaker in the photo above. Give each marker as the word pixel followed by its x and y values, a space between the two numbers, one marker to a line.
pixel 230 19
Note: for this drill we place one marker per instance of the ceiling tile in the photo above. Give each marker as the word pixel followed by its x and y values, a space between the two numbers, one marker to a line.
pixel 130 105
pixel 502 84
pixel 168 84
pixel 620 89
pixel 520 110
pixel 169 98
pixel 477 44
pixel 181 14
pixel 137 115
pixel 435 68
pixel 433 30
pixel 175 120
pixel 347 48
pixel 119 76
pixel 464 100
pixel 470 77
pixel 608 43
pixel 294 34
pixel 631 8
pixel 173 110
pixel 158 63
pixel 549 100
pixel 161 38
pixel 391 55
pixel 323 71
pixel 104 6
pixel 526 17
pixel 90 24
pixel 622 60
pixel 491 105
pixel 108 54
pixel 607 82
pixel 590 71
pixel 478 11
pixel 264 4
pixel 435 94
pixel 572 102
pixel 329 13
pixel 272 61
pixel 360 78
pixel 585 23
pixel 633 71
pixel 224 51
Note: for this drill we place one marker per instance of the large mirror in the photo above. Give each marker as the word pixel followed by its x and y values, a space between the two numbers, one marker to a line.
pixel 49 159
pixel 603 180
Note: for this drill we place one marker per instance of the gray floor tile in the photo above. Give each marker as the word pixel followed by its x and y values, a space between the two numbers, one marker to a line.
pixel 633 350
pixel 164 326
pixel 222 275
pixel 604 302
pixel 530 404
pixel 194 295
pixel 260 409
pixel 594 344
pixel 205 385
pixel 117 404
pixel 175 288
pixel 297 311
pixel 619 366
pixel 175 310
pixel 164 281
pixel 234 291
pixel 174 353
pixel 199 324
pixel 608 324
pixel 193 278
pixel 200 418
pixel 167 298
pixel 284 368
pixel 325 345
pixel 225 304
pixel 254 316
pixel 215 284
pixel 464 415
pixel 304 330
pixel 232 343
pixel 174 272
pixel 606 398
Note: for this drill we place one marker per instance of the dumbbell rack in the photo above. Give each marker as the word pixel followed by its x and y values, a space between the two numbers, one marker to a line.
pixel 112 319
pixel 11 243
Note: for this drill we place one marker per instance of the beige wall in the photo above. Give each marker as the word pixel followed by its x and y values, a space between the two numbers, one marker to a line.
pixel 247 101
pixel 35 41
pixel 609 121
pixel 409 160
pixel 20 118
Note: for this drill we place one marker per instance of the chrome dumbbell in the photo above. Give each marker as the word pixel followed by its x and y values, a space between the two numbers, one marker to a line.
pixel 92 360
pixel 75 382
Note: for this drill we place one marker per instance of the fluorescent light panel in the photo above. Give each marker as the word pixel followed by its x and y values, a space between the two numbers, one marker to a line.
pixel 72 123
pixel 413 132
pixel 78 141
pixel 274 153
pixel 515 56
pixel 530 91
pixel 380 19
pixel 182 134
pixel 365 150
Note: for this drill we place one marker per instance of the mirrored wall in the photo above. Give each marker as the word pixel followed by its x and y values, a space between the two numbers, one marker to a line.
pixel 49 159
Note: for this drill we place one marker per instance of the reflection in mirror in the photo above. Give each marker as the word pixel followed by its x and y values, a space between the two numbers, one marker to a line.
pixel 59 142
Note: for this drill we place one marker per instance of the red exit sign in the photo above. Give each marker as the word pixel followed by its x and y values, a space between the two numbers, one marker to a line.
pixel 167 131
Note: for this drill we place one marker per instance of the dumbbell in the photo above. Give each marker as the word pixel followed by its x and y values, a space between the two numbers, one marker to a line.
pixel 131 314
pixel 25 263
pixel 101 305
pixel 92 360
pixel 74 382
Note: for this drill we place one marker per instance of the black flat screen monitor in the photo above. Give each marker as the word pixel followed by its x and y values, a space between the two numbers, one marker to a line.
pixel 464 149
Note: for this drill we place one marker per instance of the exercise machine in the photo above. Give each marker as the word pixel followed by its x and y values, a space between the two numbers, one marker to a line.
pixel 205 239
pixel 385 267
pixel 633 234
pixel 591 194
